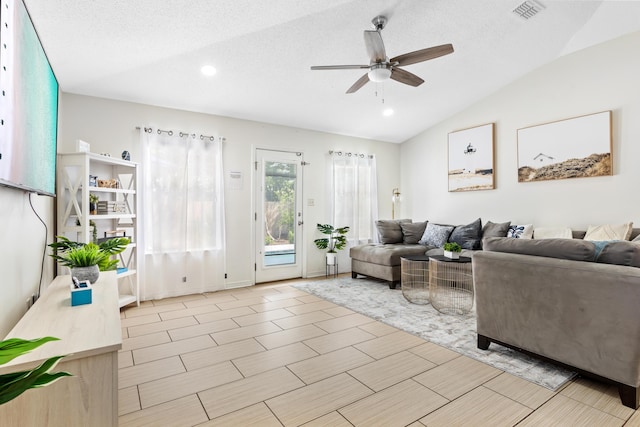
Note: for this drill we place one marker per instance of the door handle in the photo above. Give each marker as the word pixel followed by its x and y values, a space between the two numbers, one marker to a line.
pixel 300 222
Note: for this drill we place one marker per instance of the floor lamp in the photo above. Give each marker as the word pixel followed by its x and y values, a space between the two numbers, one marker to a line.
pixel 394 199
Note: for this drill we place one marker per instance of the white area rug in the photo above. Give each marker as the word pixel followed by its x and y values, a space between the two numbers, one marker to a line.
pixel 455 332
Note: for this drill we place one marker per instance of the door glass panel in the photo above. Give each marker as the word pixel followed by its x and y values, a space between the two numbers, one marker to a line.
pixel 279 213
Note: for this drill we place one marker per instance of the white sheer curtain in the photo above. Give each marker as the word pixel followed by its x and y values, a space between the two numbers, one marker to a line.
pixel 354 195
pixel 183 209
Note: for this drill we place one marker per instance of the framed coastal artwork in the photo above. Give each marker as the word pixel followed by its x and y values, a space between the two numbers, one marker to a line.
pixel 471 158
pixel 572 148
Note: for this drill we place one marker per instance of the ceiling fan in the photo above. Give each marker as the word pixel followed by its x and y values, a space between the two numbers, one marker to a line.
pixel 381 67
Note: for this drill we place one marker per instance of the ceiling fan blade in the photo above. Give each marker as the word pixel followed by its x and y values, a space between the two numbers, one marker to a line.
pixel 422 55
pixel 375 46
pixel 358 84
pixel 339 67
pixel 405 77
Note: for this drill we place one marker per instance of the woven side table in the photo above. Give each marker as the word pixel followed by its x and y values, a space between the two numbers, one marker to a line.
pixel 451 284
pixel 414 278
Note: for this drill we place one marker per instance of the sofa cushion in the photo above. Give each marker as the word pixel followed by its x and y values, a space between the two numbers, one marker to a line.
pixel 389 230
pixel 620 253
pixel 520 231
pixel 552 233
pixel 637 239
pixel 389 254
pixel 609 232
pixel 571 249
pixel 492 229
pixel 436 235
pixel 412 232
pixel 467 236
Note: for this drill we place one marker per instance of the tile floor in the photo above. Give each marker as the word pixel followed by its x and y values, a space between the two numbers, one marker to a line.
pixel 272 355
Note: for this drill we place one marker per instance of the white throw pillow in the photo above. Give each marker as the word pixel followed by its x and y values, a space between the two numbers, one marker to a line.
pixel 552 233
pixel 609 232
pixel 520 231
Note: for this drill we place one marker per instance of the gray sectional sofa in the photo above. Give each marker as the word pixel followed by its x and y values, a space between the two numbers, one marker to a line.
pixel 569 301
pixel 403 237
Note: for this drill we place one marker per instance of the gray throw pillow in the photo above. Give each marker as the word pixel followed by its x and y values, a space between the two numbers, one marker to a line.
pixel 389 230
pixel 412 232
pixel 492 229
pixel 467 236
pixel 637 239
pixel 571 249
pixel 620 253
pixel 436 235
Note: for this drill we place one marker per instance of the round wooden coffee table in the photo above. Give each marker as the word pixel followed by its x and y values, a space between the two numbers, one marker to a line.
pixel 414 278
pixel 451 284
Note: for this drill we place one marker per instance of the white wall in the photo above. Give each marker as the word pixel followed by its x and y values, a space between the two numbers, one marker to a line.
pixel 603 77
pixel 109 126
pixel 23 243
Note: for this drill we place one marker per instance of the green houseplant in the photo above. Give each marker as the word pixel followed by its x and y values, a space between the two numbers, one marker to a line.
pixel 14 384
pixel 452 250
pixel 86 260
pixel 335 241
pixel 93 204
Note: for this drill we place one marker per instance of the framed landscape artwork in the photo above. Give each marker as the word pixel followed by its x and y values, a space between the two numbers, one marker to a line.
pixel 470 154
pixel 572 148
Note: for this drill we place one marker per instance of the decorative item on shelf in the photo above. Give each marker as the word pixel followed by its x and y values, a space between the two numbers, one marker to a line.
pixel 82 146
pixel 126 155
pixel 93 180
pixel 106 154
pixel 87 260
pixel 452 250
pixel 335 242
pixel 108 183
pixel 394 199
pixel 93 204
pixel 109 207
pixel 80 292
pixel 13 384
pixel 111 234
pixel 94 229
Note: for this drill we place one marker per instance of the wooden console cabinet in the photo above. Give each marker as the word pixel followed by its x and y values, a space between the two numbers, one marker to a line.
pixel 90 335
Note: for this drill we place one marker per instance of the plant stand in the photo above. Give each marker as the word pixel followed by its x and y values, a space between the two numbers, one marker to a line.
pixel 331 269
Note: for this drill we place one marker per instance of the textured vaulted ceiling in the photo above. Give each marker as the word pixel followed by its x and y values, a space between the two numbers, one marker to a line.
pixel 151 52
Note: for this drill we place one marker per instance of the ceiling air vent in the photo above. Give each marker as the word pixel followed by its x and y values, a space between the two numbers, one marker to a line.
pixel 528 9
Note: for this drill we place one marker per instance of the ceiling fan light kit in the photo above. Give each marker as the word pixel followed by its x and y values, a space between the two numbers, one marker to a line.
pixel 380 67
pixel 379 72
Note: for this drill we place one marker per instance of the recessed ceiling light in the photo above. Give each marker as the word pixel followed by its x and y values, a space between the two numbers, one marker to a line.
pixel 387 112
pixel 208 70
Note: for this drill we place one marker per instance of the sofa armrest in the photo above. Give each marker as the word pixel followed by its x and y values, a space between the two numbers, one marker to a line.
pixel 579 313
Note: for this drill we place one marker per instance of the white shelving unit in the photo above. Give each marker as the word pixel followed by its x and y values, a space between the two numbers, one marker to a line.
pixel 73 210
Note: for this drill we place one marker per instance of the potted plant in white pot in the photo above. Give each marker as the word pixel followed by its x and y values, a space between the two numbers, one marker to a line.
pixel 86 261
pixel 452 250
pixel 335 241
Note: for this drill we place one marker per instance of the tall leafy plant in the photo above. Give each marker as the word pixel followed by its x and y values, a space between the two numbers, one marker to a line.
pixel 336 239
pixel 14 384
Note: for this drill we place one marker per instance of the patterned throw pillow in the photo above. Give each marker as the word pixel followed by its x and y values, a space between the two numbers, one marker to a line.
pixel 436 235
pixel 520 231
pixel 467 236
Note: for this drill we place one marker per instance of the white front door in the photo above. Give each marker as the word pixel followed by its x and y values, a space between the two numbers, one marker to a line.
pixel 278 216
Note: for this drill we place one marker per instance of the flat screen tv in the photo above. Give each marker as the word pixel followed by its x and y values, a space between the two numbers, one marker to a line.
pixel 28 105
